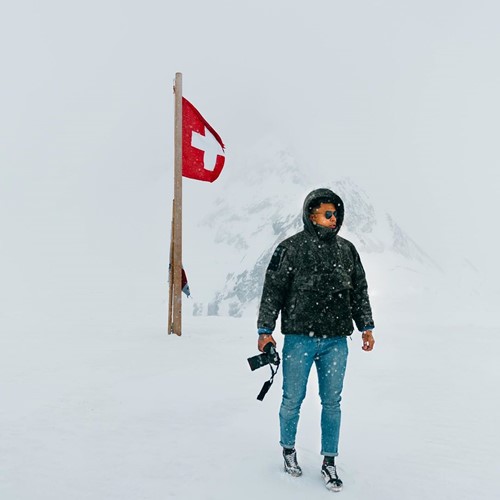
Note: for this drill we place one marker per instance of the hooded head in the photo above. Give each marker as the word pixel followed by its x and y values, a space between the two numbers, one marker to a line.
pixel 313 199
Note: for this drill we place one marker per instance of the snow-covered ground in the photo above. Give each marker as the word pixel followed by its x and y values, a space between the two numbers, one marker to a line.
pixel 128 412
pixel 97 402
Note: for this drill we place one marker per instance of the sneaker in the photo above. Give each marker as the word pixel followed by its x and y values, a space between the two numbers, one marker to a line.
pixel 291 465
pixel 332 481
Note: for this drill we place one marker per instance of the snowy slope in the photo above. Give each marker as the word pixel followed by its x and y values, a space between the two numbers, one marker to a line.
pixel 127 413
pixel 98 402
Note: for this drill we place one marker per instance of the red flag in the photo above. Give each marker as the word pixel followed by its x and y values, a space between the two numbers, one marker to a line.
pixel 202 148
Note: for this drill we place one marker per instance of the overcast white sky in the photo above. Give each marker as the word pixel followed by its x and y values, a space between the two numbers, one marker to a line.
pixel 402 96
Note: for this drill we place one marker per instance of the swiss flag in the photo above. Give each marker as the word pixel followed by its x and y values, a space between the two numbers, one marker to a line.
pixel 202 148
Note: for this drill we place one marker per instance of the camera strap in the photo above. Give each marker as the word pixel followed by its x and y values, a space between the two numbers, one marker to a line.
pixel 268 383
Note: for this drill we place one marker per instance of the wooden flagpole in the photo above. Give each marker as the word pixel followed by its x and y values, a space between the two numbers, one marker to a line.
pixel 176 324
pixel 170 275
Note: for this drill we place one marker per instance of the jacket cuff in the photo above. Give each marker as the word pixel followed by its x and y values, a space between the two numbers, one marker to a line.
pixel 262 331
pixel 367 327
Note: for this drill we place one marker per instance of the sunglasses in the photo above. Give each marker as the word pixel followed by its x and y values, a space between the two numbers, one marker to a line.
pixel 328 214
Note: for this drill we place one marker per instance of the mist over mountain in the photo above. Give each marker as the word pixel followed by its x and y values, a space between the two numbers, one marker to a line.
pixel 261 205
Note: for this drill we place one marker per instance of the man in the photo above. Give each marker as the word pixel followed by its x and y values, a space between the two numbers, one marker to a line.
pixel 317 282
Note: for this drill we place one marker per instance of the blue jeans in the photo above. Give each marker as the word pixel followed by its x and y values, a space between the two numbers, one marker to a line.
pixel 330 357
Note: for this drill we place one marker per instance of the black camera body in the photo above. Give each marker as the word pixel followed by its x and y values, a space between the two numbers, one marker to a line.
pixel 269 356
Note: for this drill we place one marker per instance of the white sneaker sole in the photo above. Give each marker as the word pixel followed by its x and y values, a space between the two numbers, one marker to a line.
pixel 292 473
pixel 331 486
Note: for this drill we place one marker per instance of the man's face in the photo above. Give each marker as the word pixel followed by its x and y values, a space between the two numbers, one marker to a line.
pixel 320 215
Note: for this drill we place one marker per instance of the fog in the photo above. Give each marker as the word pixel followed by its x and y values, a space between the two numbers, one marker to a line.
pixel 403 97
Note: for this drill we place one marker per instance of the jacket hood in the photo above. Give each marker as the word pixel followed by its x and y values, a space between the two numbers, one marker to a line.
pixel 322 232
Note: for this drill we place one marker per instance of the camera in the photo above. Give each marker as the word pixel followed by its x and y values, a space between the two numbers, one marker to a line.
pixel 269 356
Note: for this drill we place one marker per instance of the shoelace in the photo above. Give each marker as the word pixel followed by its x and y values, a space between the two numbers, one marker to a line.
pixel 292 460
pixel 332 471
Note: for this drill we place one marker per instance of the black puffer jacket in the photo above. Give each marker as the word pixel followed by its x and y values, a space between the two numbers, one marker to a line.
pixel 316 279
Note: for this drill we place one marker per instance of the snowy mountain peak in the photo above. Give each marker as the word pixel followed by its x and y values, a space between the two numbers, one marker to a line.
pixel 262 206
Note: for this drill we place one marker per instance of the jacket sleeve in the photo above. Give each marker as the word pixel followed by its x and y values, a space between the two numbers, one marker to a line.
pixel 360 301
pixel 276 285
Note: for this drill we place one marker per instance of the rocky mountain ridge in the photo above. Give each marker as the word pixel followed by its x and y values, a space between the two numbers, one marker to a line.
pixel 263 207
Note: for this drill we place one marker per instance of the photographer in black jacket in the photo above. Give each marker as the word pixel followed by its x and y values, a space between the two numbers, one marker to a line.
pixel 316 280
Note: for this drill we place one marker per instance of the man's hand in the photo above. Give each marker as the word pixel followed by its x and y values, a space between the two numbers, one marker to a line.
pixel 368 340
pixel 265 338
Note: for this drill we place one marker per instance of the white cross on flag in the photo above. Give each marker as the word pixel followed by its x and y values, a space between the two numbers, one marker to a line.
pixel 202 148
